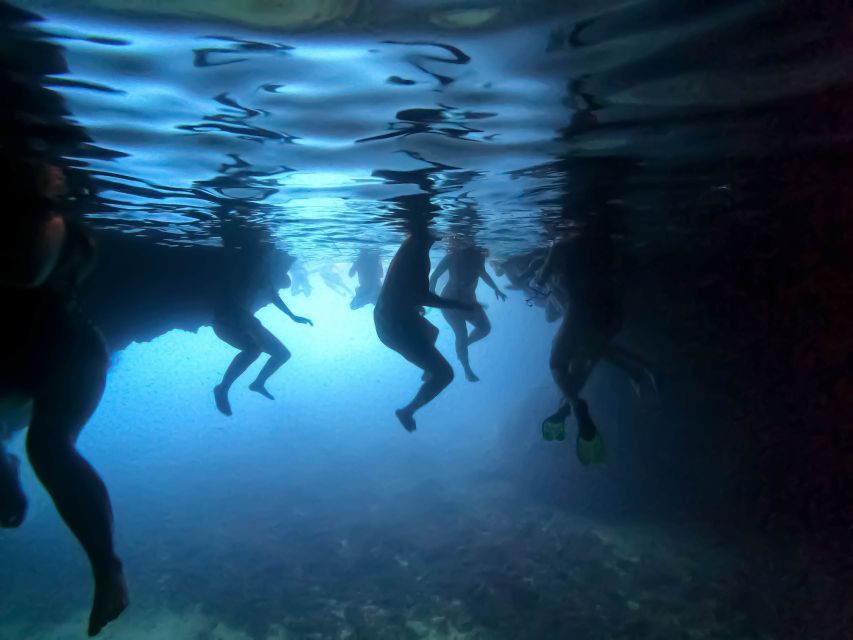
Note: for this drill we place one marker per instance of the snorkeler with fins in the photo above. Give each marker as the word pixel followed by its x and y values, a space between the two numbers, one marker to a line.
pixel 466 266
pixel 578 269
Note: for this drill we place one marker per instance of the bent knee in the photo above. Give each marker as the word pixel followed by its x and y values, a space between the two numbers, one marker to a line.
pixel 442 374
pixel 253 352
pixel 280 353
pixel 46 450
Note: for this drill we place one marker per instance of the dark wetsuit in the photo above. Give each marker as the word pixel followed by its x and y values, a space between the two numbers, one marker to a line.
pixel 399 313
pixel 401 325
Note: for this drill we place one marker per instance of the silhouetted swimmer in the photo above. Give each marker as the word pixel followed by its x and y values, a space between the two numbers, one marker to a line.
pixel 467 266
pixel 249 283
pixel 579 269
pixel 579 265
pixel 401 325
pixel 368 267
pixel 52 356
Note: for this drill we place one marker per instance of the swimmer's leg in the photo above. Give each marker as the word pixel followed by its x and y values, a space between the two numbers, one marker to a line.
pixel 438 374
pixel 235 331
pixel 279 354
pixel 60 410
pixel 482 326
pixel 237 368
pixel 457 323
pixel 573 357
pixel 13 502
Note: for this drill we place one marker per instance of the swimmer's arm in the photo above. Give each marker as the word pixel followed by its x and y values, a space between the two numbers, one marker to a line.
pixel 488 280
pixel 279 303
pixel 439 270
pixel 436 301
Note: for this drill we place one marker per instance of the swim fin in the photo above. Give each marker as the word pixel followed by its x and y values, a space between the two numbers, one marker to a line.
pixel 591 451
pixel 590 445
pixel 554 428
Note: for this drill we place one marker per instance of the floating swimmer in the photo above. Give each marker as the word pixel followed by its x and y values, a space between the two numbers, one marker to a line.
pixel 249 284
pixel 400 322
pixel 466 264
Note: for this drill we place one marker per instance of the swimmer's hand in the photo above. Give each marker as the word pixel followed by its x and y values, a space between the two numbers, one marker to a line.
pixel 301 320
pixel 500 295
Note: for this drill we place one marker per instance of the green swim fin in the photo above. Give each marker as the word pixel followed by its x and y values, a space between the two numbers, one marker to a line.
pixel 591 451
pixel 554 427
pixel 590 445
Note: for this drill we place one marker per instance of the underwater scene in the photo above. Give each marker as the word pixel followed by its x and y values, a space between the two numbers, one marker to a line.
pixel 426 320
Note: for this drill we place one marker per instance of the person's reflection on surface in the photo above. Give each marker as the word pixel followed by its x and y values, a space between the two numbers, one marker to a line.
pixel 301 285
pixel 579 269
pixel 400 322
pixel 53 365
pixel 368 268
pixel 252 279
pixel 466 265
pixel 334 281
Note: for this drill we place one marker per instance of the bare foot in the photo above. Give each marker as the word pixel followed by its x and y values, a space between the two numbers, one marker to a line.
pixel 471 376
pixel 407 419
pixel 110 600
pixel 221 396
pixel 258 387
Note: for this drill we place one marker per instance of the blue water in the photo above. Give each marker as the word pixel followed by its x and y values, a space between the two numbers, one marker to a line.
pixel 316 516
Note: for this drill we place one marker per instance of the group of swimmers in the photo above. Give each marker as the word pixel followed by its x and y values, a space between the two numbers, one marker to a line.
pixel 54 362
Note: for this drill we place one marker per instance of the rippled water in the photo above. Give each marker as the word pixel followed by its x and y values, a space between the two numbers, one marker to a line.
pixel 316 126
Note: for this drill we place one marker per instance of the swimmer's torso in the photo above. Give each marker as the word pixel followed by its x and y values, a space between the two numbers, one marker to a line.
pixel 464 268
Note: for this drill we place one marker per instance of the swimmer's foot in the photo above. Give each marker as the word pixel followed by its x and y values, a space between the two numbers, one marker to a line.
pixel 407 419
pixel 220 394
pixel 471 376
pixel 110 600
pixel 258 387
pixel 554 426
